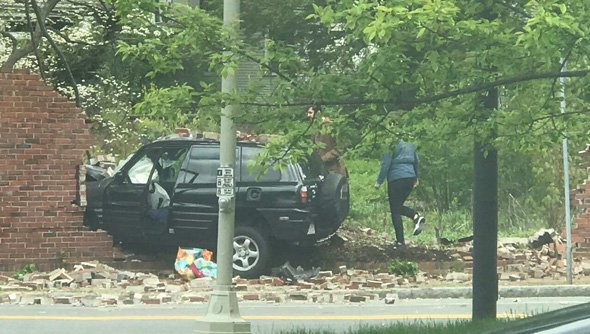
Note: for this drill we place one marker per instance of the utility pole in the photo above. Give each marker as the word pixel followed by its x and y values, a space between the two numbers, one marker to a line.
pixel 223 315
pixel 566 190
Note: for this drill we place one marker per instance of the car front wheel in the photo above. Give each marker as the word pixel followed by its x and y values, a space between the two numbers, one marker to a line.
pixel 251 252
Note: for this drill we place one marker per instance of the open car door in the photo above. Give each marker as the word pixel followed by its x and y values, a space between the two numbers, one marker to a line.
pixel 137 202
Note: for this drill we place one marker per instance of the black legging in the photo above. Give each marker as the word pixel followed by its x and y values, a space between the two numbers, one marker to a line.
pixel 398 191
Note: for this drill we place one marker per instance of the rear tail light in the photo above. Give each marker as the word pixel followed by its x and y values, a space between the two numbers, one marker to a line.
pixel 303 194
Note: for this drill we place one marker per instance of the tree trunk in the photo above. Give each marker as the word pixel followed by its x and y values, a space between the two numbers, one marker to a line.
pixel 485 220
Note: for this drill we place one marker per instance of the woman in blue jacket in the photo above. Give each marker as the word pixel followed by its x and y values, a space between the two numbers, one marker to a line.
pixel 400 167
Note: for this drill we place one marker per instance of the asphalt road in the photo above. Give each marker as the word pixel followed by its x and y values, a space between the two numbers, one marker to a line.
pixel 264 317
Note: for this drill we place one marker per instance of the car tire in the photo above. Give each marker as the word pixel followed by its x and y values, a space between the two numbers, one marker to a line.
pixel 251 252
pixel 334 199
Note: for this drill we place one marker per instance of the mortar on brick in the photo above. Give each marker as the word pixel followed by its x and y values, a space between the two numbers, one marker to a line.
pixel 39 180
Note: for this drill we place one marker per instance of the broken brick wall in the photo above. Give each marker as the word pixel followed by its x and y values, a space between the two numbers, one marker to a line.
pixel 581 230
pixel 43 137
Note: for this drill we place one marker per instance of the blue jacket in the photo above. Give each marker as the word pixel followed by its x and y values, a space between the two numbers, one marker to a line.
pixel 402 164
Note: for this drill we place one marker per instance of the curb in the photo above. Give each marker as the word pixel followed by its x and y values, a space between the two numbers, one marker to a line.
pixel 92 298
pixel 503 292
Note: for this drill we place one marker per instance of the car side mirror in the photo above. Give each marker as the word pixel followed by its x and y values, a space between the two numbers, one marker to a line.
pixel 119 177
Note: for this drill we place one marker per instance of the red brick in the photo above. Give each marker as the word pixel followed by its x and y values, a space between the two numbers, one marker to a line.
pixel 581 231
pixel 44 137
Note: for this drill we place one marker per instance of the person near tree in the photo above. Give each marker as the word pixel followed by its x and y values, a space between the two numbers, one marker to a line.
pixel 330 154
pixel 400 168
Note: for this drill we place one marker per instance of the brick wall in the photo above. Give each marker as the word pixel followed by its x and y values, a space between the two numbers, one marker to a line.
pixel 43 137
pixel 581 230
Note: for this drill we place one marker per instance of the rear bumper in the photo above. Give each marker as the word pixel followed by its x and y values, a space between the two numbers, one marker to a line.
pixel 296 225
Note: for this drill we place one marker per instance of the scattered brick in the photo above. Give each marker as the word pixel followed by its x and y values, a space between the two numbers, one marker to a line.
pixel 251 296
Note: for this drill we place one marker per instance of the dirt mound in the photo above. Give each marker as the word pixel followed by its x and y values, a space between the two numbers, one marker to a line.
pixel 353 247
pixel 359 248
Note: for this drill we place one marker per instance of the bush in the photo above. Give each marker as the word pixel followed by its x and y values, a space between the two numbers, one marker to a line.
pixel 26 269
pixel 403 268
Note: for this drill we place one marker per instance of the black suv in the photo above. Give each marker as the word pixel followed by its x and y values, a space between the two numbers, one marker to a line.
pixel 166 194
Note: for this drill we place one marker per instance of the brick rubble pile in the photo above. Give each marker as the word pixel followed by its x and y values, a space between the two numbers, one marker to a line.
pixel 96 284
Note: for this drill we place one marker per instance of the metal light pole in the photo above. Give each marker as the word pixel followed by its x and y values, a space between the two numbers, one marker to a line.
pixel 223 315
pixel 566 184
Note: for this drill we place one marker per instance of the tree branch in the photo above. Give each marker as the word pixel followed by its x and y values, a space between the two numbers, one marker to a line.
pixel 23 51
pixel 240 52
pixel 563 114
pixel 445 37
pixel 437 97
pixel 88 4
pixel 12 39
pixel 69 40
pixel 34 41
pixel 561 66
pixel 532 126
pixel 497 83
pixel 16 55
pixel 41 25
pixel 293 142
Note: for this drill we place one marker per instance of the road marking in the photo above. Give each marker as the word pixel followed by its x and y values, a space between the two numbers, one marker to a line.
pixel 259 317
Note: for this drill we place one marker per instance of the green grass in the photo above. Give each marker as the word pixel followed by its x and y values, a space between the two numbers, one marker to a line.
pixel 370 208
pixel 533 322
pixel 418 327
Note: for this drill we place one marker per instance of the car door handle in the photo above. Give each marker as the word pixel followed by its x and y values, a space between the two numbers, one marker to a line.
pixel 253 194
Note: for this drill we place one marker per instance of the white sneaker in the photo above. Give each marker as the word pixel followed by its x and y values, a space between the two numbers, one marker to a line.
pixel 419 224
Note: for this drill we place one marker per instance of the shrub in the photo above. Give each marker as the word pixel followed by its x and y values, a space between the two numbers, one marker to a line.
pixel 26 269
pixel 404 268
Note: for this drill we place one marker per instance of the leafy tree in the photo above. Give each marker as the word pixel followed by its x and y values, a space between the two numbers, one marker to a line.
pixel 416 48
pixel 83 36
pixel 446 73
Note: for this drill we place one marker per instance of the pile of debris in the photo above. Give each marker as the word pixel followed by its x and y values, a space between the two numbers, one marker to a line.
pixel 539 256
pixel 96 284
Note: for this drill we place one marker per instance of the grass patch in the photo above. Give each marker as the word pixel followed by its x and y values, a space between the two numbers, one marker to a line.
pixel 418 327
pixel 370 208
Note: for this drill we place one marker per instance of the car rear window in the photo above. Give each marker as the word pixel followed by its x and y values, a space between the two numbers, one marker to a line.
pixel 202 165
pixel 249 171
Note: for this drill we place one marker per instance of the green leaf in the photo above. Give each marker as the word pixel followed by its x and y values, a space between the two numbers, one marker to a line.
pixel 421 32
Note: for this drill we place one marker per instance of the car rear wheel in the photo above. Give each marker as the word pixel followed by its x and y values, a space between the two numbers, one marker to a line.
pixel 251 252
